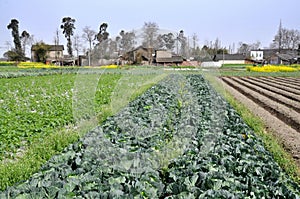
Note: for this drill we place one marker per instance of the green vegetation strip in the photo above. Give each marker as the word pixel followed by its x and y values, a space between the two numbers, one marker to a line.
pixel 271 143
pixel 38 121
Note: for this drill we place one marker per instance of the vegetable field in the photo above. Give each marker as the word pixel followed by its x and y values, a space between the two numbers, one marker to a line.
pixel 34 107
pixel 279 97
pixel 180 139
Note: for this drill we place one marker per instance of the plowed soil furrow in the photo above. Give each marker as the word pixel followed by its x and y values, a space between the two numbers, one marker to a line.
pixel 288 136
pixel 287 115
pixel 280 82
pixel 284 86
pixel 271 95
pixel 289 80
pixel 278 91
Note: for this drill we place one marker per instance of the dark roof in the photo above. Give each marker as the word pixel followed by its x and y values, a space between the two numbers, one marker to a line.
pixel 51 47
pixel 229 57
pixel 273 52
pixel 173 59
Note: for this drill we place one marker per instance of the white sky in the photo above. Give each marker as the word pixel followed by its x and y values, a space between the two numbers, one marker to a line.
pixel 232 21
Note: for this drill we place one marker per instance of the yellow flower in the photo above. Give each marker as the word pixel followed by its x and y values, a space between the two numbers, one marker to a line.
pixel 271 68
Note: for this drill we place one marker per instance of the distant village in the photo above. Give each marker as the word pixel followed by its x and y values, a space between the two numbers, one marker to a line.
pixel 152 47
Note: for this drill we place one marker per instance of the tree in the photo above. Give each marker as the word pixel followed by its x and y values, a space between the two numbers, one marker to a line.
pixel 103 43
pixel 25 37
pixel 183 43
pixel 102 34
pixel 126 41
pixel 77 44
pixel 286 39
pixel 150 30
pixel 166 41
pixel 12 55
pixel 41 50
pixel 89 35
pixel 68 30
pixel 14 26
pixel 245 48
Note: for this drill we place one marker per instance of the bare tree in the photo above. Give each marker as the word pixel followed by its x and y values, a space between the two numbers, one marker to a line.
pixel 245 48
pixel 25 36
pixel 126 41
pixel 286 39
pixel 183 43
pixel 150 30
pixel 88 35
pixel 77 44
pixel 56 43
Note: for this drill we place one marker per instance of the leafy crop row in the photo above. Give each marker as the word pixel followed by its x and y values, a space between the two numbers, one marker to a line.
pixel 179 139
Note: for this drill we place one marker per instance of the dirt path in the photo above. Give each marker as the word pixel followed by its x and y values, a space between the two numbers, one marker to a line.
pixel 279 118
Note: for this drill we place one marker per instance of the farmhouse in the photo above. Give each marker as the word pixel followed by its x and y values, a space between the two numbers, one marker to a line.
pixel 139 55
pixel 165 58
pixel 273 56
pixel 54 53
pixel 230 58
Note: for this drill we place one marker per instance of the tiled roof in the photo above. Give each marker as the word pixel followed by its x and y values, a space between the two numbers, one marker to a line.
pixel 229 57
pixel 51 47
pixel 173 59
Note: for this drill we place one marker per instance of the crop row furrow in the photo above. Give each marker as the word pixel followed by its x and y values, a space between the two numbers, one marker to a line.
pixel 271 95
pixel 284 86
pixel 289 116
pixel 281 92
pixel 290 80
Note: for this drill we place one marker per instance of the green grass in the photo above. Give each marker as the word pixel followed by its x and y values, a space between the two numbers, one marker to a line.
pixel 235 65
pixel 271 142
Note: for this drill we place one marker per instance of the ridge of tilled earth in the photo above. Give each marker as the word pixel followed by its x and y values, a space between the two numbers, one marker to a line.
pixel 266 102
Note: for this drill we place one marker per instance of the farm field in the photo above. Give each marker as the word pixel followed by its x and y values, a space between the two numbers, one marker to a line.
pixel 277 101
pixel 179 139
pixel 43 111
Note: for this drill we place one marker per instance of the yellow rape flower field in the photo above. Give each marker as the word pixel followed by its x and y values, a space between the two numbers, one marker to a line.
pixel 272 68
pixel 35 65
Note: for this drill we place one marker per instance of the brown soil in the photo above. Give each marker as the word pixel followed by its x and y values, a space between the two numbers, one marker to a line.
pixel 277 107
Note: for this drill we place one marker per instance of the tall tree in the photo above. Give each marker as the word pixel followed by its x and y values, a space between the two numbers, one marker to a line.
pixel 88 35
pixel 103 43
pixel 68 30
pixel 56 43
pixel 127 41
pixel 183 43
pixel 102 34
pixel 25 37
pixel 77 44
pixel 14 26
pixel 286 39
pixel 150 34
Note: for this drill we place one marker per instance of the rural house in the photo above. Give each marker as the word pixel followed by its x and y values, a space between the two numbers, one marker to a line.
pixel 273 56
pixel 54 53
pixel 166 58
pixel 139 55
pixel 230 58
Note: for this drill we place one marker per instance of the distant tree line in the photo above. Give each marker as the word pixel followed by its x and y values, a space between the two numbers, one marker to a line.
pixel 101 46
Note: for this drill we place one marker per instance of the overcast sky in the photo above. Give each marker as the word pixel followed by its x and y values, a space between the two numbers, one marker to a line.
pixel 232 21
